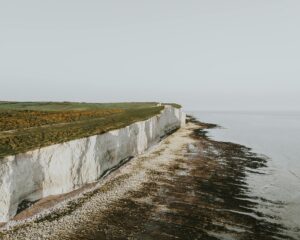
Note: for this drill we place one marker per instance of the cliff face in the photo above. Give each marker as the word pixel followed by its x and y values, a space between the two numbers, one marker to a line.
pixel 64 167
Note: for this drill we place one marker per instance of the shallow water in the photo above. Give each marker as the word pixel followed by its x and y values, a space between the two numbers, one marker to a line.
pixel 276 135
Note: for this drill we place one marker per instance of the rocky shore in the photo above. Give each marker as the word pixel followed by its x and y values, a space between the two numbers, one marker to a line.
pixel 186 187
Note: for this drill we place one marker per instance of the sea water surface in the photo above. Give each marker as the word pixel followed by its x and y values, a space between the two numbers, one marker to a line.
pixel 276 135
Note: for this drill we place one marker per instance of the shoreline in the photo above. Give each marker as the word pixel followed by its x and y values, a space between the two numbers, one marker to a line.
pixel 187 186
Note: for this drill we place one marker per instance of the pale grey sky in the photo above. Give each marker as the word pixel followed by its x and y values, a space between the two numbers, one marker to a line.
pixel 212 54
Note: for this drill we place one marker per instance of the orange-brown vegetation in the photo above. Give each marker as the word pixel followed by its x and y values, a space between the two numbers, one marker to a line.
pixel 11 120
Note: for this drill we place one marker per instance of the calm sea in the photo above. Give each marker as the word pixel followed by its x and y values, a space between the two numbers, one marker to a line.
pixel 277 136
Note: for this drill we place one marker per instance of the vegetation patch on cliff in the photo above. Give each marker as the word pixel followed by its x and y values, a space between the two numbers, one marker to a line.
pixel 26 126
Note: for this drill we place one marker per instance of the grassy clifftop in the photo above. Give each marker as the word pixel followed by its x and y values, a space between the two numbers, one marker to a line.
pixel 25 126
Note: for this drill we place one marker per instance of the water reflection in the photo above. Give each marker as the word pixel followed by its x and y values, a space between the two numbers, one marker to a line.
pixel 236 212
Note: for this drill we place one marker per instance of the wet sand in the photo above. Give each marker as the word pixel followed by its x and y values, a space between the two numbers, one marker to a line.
pixel 187 187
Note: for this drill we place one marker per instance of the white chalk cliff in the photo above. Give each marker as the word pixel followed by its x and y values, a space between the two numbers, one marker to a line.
pixel 61 168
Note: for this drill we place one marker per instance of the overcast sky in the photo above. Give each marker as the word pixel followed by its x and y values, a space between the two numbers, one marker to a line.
pixel 212 54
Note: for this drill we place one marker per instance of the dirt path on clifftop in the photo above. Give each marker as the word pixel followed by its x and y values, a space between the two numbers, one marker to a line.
pixel 187 187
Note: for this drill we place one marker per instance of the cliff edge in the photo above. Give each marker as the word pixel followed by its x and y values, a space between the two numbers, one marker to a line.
pixel 64 167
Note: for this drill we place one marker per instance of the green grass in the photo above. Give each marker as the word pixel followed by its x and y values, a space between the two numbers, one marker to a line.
pixel 66 106
pixel 30 131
